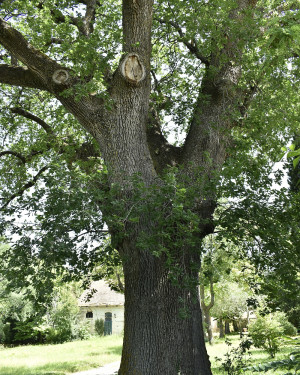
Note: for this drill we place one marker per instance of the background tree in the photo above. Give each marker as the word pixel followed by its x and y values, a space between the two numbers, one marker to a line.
pixel 216 265
pixel 231 305
pixel 28 319
pixel 85 106
pixel 281 282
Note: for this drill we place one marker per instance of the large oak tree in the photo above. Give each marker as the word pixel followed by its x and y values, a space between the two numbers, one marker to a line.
pixel 88 88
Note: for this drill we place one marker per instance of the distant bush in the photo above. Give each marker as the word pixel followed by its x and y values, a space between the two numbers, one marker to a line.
pixel 22 324
pixel 99 327
pixel 266 330
pixel 8 334
pixel 74 330
pixel 288 328
pixel 29 332
pixel 82 330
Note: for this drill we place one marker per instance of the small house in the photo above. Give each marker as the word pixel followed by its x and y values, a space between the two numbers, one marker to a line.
pixel 101 302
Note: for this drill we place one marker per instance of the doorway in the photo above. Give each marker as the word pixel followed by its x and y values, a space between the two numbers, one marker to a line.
pixel 108 324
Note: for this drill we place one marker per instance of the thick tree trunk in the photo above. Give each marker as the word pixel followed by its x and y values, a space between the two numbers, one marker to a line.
pixel 207 320
pixel 235 326
pixel 221 326
pixel 227 327
pixel 163 324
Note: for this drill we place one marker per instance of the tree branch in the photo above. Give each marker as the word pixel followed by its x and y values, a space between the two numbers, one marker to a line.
pixel 27 186
pixel 89 17
pixel 85 24
pixel 54 40
pixel 14 153
pixel 48 73
pixel 120 284
pixel 40 65
pixel 249 95
pixel 19 76
pixel 212 295
pixel 207 134
pixel 190 44
pixel 30 116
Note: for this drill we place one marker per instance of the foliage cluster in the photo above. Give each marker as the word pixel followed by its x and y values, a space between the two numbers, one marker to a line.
pixel 99 327
pixel 291 363
pixel 235 359
pixel 22 322
pixel 266 331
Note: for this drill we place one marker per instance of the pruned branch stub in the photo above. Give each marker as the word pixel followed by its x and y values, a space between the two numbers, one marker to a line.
pixel 60 76
pixel 132 68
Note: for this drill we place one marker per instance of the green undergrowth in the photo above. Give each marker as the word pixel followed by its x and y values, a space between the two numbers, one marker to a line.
pixel 257 357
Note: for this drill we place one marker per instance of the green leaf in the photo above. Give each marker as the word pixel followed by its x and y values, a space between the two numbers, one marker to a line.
pixel 296 161
pixel 292 154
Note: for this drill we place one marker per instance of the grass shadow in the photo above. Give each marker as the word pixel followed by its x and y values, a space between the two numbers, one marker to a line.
pixel 114 350
pixel 59 368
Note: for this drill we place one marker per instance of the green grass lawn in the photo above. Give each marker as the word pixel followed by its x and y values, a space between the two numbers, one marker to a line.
pixel 76 356
pixel 60 359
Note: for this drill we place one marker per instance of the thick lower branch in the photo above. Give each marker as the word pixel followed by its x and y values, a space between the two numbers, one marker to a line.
pixel 40 65
pixel 19 76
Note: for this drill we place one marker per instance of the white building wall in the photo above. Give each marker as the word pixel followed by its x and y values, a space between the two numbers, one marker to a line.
pixel 99 313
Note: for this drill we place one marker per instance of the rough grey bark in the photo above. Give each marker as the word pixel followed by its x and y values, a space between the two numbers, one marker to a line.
pixel 152 317
pixel 157 340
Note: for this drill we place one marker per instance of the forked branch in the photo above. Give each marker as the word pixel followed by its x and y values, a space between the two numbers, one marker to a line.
pixel 40 65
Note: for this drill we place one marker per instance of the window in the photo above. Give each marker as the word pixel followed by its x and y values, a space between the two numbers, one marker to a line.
pixel 89 315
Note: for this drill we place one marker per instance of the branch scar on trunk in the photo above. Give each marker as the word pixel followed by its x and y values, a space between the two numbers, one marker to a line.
pixel 132 69
pixel 60 76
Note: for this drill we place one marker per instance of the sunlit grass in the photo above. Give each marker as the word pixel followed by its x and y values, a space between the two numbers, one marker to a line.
pixel 76 356
pixel 60 359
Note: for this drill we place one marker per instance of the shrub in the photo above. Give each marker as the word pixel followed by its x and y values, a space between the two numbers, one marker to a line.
pixel 82 330
pixel 291 362
pixel 8 334
pixel 1 332
pixel 99 327
pixel 288 328
pixel 267 330
pixel 29 332
pixel 235 359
